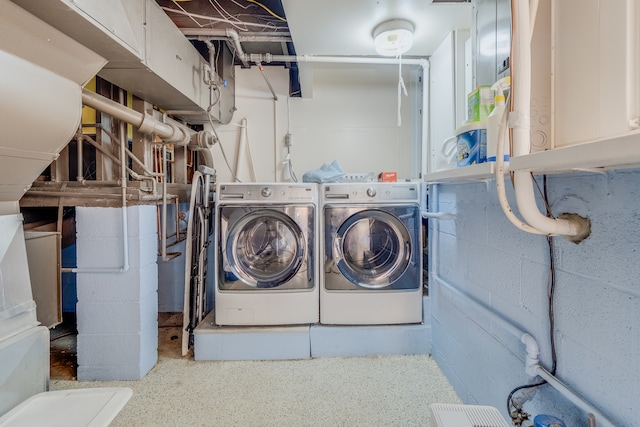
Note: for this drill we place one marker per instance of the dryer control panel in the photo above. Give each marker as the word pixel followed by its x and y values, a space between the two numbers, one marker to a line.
pixel 372 191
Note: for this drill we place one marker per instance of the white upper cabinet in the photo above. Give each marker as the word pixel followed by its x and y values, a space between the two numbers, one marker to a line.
pixel 595 69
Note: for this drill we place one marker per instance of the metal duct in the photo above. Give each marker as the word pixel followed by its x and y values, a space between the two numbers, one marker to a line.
pixel 148 56
pixel 40 91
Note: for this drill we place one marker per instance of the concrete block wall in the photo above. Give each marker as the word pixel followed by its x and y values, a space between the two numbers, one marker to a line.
pixel 597 307
pixel 117 313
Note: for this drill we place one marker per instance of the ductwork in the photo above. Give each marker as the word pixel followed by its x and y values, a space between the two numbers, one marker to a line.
pixel 147 54
pixel 40 80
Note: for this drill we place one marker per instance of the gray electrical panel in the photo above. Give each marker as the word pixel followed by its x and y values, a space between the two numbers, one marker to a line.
pixel 492 35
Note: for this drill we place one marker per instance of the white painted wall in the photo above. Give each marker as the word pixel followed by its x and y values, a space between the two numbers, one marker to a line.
pixel 351 117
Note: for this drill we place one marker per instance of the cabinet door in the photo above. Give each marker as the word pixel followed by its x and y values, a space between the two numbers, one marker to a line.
pixel 595 69
pixel 447 96
pixel 43 254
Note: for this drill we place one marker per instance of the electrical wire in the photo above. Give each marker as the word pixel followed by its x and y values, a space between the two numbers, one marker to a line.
pixel 551 285
pixel 517 389
pixel 221 10
pixel 191 16
pixel 238 4
pixel 269 11
pixel 294 178
pixel 214 19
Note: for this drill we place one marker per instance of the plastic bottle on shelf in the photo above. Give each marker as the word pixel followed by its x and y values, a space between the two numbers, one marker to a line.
pixel 493 129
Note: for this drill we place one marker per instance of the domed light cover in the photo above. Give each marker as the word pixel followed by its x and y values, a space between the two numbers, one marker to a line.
pixel 393 37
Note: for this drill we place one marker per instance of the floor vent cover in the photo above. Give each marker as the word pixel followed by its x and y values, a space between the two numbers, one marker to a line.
pixel 446 415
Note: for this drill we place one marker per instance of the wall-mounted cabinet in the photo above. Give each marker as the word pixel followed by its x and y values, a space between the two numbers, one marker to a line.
pixel 447 98
pixel 585 104
pixel 596 69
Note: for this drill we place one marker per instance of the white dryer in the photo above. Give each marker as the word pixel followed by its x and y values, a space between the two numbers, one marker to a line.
pixel 371 247
pixel 266 255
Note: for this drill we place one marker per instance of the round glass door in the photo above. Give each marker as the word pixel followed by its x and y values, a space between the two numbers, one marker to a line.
pixel 372 249
pixel 265 248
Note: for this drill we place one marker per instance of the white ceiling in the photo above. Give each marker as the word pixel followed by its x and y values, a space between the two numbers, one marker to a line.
pixel 345 27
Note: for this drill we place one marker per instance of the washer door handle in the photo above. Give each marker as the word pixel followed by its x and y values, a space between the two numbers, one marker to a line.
pixel 337 248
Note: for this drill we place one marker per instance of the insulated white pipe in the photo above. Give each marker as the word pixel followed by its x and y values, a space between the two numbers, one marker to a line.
pixel 242 146
pixel 233 35
pixel 519 120
pixel 343 59
pixel 437 215
pixel 500 182
pixel 123 183
pixel 171 131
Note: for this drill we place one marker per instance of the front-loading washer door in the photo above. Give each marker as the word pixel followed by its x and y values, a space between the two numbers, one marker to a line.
pixel 372 248
pixel 266 248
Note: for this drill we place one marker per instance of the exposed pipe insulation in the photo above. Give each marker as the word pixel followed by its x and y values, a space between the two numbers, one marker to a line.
pixel 248 36
pixel 500 183
pixel 575 228
pixel 171 131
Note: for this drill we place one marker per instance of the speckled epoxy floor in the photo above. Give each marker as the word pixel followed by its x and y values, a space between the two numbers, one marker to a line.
pixel 374 391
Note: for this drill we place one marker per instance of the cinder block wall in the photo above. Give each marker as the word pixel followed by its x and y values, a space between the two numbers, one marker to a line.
pixel 597 296
pixel 117 313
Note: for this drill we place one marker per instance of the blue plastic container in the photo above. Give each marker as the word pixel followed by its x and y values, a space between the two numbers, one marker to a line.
pixel 547 421
pixel 472 144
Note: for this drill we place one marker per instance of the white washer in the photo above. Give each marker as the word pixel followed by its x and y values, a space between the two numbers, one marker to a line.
pixel 266 255
pixel 371 249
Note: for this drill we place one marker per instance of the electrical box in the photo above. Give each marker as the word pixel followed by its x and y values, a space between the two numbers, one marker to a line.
pixel 492 60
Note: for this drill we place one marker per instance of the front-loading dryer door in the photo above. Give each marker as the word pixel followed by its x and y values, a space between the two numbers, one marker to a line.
pixel 372 248
pixel 266 248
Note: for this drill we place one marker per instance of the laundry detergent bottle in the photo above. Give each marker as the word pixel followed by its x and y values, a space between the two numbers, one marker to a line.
pixel 494 119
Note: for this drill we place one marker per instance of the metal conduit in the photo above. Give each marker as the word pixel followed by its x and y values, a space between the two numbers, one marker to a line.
pixel 171 131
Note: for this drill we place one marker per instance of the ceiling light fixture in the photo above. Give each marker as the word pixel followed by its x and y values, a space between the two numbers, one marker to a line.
pixel 394 37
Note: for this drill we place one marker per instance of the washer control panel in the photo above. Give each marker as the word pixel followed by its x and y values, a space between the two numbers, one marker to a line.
pixel 266 191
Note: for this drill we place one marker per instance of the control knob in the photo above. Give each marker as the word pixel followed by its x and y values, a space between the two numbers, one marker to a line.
pixel 371 192
pixel 266 192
